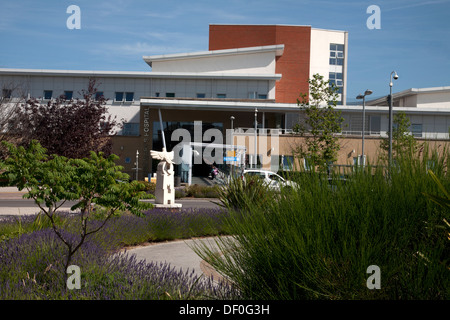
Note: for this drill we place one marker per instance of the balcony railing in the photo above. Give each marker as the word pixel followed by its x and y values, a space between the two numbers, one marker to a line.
pixel 278 131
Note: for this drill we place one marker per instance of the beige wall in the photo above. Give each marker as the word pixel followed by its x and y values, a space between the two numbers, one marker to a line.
pixel 126 146
pixel 350 147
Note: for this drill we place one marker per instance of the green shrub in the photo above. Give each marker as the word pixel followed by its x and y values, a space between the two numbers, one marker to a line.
pixel 317 242
pixel 198 191
pixel 243 195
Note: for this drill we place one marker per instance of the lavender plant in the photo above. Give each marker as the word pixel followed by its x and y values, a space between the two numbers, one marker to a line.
pixel 51 181
pixel 30 265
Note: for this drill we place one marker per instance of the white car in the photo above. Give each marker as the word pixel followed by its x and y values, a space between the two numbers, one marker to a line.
pixel 273 180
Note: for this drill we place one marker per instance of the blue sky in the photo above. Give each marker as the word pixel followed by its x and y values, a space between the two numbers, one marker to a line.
pixel 414 38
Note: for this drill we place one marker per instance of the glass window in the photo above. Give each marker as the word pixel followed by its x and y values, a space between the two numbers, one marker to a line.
pixel 262 96
pixel 6 94
pixel 201 95
pixel 157 94
pixel 130 129
pixel 336 54
pixel 119 96
pixel 306 164
pixel 375 124
pixel 68 95
pixel 416 130
pixel 129 96
pixel 98 95
pixel 170 95
pixel 48 94
pixel 288 162
pixel 221 95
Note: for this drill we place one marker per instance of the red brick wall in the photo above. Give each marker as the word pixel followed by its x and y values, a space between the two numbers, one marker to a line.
pixel 293 64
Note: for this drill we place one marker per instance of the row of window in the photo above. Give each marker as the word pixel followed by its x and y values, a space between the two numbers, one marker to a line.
pixel 129 96
pixel 251 95
pixel 68 95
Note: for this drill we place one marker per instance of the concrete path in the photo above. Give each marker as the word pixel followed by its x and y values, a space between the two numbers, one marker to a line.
pixel 179 254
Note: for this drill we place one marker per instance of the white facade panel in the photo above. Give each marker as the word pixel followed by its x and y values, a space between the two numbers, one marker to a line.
pixel 320 54
pixel 257 63
pixel 434 100
pixel 320 50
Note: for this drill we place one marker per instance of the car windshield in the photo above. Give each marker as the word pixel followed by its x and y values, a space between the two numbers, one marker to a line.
pixel 275 177
pixel 255 174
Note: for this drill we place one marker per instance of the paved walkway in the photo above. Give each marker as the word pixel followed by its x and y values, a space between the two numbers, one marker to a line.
pixel 179 254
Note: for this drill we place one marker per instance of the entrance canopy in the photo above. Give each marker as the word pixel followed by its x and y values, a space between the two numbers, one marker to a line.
pixel 188 154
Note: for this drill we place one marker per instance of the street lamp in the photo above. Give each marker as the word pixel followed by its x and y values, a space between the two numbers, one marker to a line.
pixel 256 128
pixel 390 116
pixel 137 164
pixel 363 97
pixel 232 143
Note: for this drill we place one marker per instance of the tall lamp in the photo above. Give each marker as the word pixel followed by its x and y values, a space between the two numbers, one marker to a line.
pixel 390 116
pixel 363 97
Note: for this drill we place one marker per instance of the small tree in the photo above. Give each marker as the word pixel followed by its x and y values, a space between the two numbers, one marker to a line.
pixel 70 128
pixel 50 182
pixel 403 142
pixel 321 123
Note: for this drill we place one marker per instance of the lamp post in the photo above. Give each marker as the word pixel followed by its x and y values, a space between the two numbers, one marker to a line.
pixel 256 129
pixel 137 164
pixel 390 115
pixel 232 144
pixel 363 97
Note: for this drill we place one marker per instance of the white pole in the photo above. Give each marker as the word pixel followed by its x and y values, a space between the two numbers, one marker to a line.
pixel 256 129
pixel 162 130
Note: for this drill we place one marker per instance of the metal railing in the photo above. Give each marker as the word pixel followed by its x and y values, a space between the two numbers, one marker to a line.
pixel 278 131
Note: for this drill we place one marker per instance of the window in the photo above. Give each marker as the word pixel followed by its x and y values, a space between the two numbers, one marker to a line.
pixel 252 95
pixel 336 78
pixel 119 96
pixel 416 130
pixel 336 54
pixel 287 162
pixel 375 124
pixel 130 129
pixel 306 164
pixel 262 96
pixel 201 95
pixel 170 95
pixel 68 95
pixel 48 94
pixel 6 94
pixel 129 96
pixel 98 95
pixel 221 95
pixel 157 94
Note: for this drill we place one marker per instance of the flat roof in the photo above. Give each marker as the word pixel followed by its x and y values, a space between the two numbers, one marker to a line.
pixel 278 49
pixel 275 25
pixel 138 74
pixel 224 105
pixel 410 92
